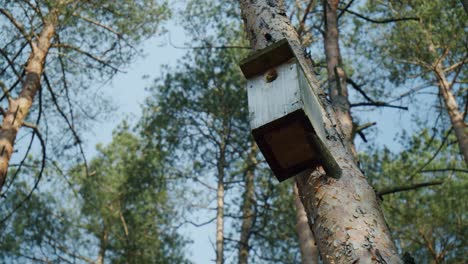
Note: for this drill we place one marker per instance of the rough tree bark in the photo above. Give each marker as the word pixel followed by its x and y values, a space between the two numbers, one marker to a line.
pixel 348 224
pixel 18 108
pixel 337 87
pixel 309 251
pixel 248 212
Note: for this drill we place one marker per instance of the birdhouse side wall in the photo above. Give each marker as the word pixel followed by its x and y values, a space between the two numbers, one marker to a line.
pixel 311 104
pixel 269 99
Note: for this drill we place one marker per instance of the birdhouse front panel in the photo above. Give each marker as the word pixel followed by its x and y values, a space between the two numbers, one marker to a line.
pixel 285 113
pixel 271 99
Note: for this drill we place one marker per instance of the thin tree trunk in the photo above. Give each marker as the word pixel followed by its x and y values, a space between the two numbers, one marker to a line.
pixel 248 213
pixel 103 246
pixel 18 108
pixel 456 117
pixel 309 251
pixel 220 211
pixel 348 224
pixel 337 88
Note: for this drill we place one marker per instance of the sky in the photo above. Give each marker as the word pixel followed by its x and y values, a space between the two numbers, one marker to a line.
pixel 127 90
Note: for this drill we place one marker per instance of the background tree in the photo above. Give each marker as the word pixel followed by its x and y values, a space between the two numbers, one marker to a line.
pixel 427 51
pixel 429 222
pixel 62 45
pixel 123 212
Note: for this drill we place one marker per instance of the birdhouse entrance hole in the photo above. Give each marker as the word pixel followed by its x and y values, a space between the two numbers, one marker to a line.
pixel 286 116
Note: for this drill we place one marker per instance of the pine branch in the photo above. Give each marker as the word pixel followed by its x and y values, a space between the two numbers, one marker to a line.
pixel 408 187
pixel 380 21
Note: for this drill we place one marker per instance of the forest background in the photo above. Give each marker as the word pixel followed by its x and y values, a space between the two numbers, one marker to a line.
pixel 170 90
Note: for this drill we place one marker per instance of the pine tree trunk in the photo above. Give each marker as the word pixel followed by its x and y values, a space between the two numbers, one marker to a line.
pixel 248 214
pixel 102 246
pixel 309 252
pixel 337 87
pixel 348 224
pixel 18 108
pixel 456 117
pixel 220 211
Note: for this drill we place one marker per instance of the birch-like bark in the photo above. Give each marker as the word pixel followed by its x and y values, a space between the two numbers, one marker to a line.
pixel 348 224
pixel 18 108
pixel 309 251
pixel 248 212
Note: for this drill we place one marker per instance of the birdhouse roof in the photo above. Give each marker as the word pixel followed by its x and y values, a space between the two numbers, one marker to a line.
pixel 267 58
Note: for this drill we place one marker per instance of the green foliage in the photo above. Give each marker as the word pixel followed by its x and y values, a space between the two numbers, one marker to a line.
pixel 122 212
pixel 430 222
pixel 409 48
pixel 126 198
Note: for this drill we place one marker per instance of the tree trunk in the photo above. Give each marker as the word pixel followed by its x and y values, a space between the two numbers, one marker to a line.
pixel 102 246
pixel 456 117
pixel 337 88
pixel 347 221
pixel 248 213
pixel 220 211
pixel 309 252
pixel 19 107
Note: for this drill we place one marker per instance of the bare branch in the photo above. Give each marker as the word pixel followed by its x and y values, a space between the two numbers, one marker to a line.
pixel 358 88
pixel 446 169
pixel 433 156
pixel 208 46
pixel 378 104
pixel 96 23
pixel 345 8
pixel 310 5
pixel 408 187
pixel 41 170
pixel 92 56
pixel 10 63
pixel 371 102
pixel 380 21
pixel 70 126
pixel 17 24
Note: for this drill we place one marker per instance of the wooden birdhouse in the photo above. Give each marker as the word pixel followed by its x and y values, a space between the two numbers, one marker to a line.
pixel 285 113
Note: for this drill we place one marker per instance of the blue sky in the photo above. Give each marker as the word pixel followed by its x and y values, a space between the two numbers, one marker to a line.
pixel 127 90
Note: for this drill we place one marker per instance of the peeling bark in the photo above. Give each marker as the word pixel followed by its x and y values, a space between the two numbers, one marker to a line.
pixel 248 213
pixel 309 251
pixel 18 108
pixel 348 224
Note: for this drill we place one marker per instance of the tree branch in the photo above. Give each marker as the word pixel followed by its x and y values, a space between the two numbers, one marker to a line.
pixel 343 10
pixel 378 104
pixel 408 187
pixel 92 56
pixel 17 24
pixel 208 46
pixel 380 21
pixel 75 134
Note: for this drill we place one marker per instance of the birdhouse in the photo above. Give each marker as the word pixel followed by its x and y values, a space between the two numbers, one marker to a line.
pixel 285 113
